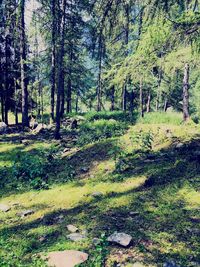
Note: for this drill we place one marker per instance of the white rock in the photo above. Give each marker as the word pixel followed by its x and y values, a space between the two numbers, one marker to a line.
pixel 97 194
pixel 3 127
pixel 76 237
pixel 25 213
pixel 4 208
pixel 120 238
pixel 68 258
pixel 71 228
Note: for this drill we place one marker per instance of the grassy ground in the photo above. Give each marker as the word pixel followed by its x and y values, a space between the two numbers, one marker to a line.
pixel 150 190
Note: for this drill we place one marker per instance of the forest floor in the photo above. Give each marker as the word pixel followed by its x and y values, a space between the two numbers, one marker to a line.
pixel 145 183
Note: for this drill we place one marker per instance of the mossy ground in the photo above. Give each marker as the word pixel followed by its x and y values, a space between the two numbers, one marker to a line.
pixel 153 199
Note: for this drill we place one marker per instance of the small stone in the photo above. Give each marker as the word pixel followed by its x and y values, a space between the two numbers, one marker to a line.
pixel 68 258
pixel 71 228
pixel 97 194
pixel 134 213
pixel 195 219
pixel 85 169
pixel 25 213
pixel 170 264
pixel 96 241
pixel 120 238
pixel 25 142
pixel 179 145
pixel 4 208
pixel 138 264
pixel 76 237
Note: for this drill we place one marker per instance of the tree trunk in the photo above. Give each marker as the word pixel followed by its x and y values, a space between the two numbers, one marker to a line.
pixel 24 81
pixel 131 102
pixel 149 102
pixel 99 87
pixel 77 101
pixel 112 108
pixel 124 98
pixel 69 95
pixel 186 92
pixel 165 104
pixel 62 107
pixel 53 58
pixel 141 99
pixel 60 69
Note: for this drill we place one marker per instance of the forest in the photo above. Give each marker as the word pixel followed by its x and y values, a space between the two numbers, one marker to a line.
pixel 99 133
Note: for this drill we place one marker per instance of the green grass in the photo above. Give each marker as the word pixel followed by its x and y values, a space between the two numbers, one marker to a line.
pixel 161 185
pixel 172 118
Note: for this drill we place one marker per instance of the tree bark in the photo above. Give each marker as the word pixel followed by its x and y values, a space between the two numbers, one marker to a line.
pixel 186 92
pixel 112 108
pixel 99 87
pixel 141 99
pixel 24 80
pixel 60 69
pixel 131 102
pixel 69 95
pixel 53 58
pixel 149 102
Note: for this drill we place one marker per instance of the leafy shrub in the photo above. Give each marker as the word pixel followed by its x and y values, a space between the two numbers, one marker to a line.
pixel 33 169
pixel 100 129
pixel 143 140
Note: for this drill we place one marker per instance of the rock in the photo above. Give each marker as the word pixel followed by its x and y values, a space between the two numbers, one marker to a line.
pixel 3 128
pixel 25 213
pixel 179 145
pixel 96 241
pixel 25 142
pixel 4 208
pixel 134 213
pixel 33 123
pixel 76 237
pixel 41 127
pixel 97 194
pixel 71 228
pixel 195 219
pixel 120 238
pixel 85 169
pixel 170 264
pixel 138 264
pixel 68 258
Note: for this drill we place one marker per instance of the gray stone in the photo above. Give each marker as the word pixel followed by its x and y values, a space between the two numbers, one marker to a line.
pixel 97 194
pixel 4 208
pixel 3 128
pixel 120 238
pixel 76 237
pixel 71 228
pixel 25 142
pixel 138 264
pixel 25 213
pixel 68 258
pixel 179 145
pixel 170 264
pixel 40 128
pixel 134 213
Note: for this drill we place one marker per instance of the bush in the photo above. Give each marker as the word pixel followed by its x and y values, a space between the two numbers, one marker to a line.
pixel 32 169
pixel 100 129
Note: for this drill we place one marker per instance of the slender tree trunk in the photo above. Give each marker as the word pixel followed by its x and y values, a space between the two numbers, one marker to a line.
pixel 62 108
pixel 141 99
pixel 69 95
pixel 165 104
pixel 7 82
pixel 127 26
pixel 77 101
pixel 131 102
pixel 53 57
pixel 99 87
pixel 16 104
pixel 112 108
pixel 124 98
pixel 186 92
pixel 60 69
pixel 24 81
pixel 149 102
